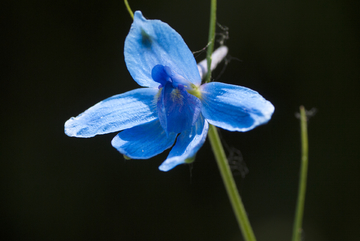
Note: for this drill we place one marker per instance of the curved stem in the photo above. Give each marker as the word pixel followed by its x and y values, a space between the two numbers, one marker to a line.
pixel 297 230
pixel 230 185
pixel 129 9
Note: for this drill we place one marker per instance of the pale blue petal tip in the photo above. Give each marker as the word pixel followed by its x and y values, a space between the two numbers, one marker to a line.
pixel 168 166
pixel 72 129
pixel 138 14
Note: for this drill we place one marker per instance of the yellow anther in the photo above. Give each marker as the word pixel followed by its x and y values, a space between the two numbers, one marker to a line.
pixel 176 96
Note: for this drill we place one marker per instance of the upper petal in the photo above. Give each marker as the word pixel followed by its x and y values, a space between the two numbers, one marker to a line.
pixel 187 144
pixel 152 42
pixel 233 107
pixel 114 114
pixel 144 141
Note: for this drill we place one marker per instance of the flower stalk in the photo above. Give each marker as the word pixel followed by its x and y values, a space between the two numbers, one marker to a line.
pixel 230 185
pixel 218 149
pixel 297 230
pixel 129 9
pixel 211 38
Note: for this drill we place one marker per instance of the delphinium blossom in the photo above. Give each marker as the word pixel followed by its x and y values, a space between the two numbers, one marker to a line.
pixel 173 107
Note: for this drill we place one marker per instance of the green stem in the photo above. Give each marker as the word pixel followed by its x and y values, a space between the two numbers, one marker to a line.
pixel 129 9
pixel 211 39
pixel 230 185
pixel 303 176
pixel 218 149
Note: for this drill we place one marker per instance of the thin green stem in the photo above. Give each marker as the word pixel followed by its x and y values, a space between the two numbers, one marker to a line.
pixel 230 185
pixel 129 9
pixel 297 230
pixel 218 149
pixel 211 39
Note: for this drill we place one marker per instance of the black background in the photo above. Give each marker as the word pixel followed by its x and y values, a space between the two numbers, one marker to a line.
pixel 61 57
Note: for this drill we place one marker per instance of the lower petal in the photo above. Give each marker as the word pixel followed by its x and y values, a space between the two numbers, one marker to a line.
pixel 234 108
pixel 144 141
pixel 187 144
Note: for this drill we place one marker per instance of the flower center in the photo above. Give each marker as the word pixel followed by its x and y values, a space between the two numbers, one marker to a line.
pixel 178 105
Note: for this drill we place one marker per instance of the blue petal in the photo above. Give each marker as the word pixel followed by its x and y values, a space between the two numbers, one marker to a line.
pixel 233 107
pixel 144 141
pixel 114 114
pixel 177 109
pixel 152 42
pixel 187 144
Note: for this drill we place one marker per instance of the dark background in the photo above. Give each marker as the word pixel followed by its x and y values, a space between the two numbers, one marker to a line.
pixel 61 57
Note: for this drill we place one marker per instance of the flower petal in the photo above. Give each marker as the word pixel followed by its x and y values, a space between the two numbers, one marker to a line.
pixel 143 141
pixel 177 109
pixel 152 42
pixel 187 144
pixel 233 107
pixel 114 114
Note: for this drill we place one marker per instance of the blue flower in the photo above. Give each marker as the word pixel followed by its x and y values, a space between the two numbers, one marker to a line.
pixel 174 108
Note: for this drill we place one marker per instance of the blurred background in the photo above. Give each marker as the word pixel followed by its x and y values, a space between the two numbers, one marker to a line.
pixel 61 57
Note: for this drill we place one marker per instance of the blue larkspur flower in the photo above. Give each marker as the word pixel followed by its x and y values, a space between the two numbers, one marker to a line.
pixel 174 108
